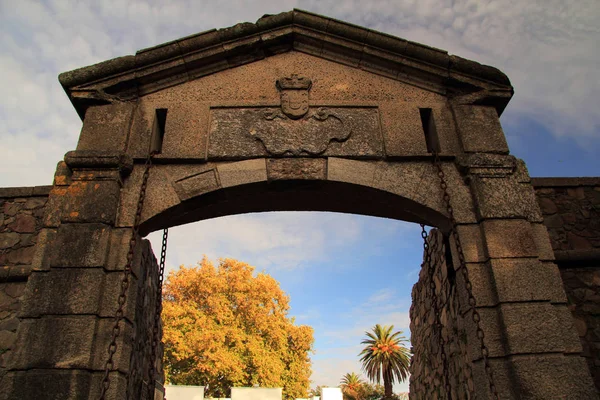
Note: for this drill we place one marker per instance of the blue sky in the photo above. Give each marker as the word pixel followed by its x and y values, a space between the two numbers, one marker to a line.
pixel 344 272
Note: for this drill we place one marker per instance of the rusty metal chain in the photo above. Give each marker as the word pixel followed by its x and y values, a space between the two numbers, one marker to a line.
pixel 152 370
pixel 119 314
pixel 465 274
pixel 436 310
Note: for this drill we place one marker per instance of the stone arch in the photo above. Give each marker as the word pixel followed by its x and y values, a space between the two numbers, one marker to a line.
pixel 407 192
pixel 295 102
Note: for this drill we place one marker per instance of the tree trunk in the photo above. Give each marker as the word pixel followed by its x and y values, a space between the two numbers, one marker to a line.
pixel 387 386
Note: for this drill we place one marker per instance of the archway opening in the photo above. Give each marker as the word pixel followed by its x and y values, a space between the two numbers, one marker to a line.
pixel 344 273
pixel 344 270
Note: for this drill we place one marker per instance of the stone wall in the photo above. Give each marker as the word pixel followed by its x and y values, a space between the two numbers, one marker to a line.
pixel 145 307
pixel 21 212
pixel 571 209
pixel 22 215
pixel 427 379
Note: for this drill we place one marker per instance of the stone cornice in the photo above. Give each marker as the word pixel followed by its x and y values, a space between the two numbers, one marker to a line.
pixel 182 60
pixel 25 191
pixel 565 182
pixel 579 257
pixel 95 159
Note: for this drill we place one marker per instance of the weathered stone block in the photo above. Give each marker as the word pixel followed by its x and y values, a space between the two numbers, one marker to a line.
pixel 552 376
pixel 23 224
pixel 62 176
pixel 521 173
pixel 74 291
pixel 242 172
pixel 73 350
pixel 472 244
pixel 542 242
pixel 54 207
pixel 91 201
pixel 509 238
pixel 547 205
pixel 102 339
pixel 129 197
pixel 79 245
pixel 521 328
pixel 9 239
pixel 21 256
pixel 118 249
pixel 7 339
pixel 35 202
pixel 571 341
pixel 186 128
pixel 9 324
pixel 91 163
pixel 83 343
pixel 445 128
pixel 503 379
pixel 11 208
pixel 160 193
pixel 350 171
pixel 480 130
pixel 297 168
pixel 325 131
pixel 402 129
pixel 505 198
pixel 431 195
pixel 196 185
pixel 483 287
pixel 40 260
pixel 14 289
pixel 108 302
pixel 60 385
pixel 106 127
pixel 515 280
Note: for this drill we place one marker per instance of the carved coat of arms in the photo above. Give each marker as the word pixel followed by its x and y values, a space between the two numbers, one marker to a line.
pixel 295 129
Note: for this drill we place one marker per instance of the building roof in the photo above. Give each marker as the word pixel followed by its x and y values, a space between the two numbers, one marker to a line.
pixel 172 63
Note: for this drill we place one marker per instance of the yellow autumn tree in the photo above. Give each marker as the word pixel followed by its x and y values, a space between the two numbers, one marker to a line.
pixel 224 327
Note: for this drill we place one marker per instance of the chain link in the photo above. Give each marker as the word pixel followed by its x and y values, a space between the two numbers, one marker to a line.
pixel 436 310
pixel 465 274
pixel 119 314
pixel 152 370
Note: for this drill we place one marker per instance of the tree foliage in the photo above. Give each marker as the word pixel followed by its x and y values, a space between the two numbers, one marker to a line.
pixel 361 391
pixel 225 327
pixel 351 386
pixel 369 391
pixel 316 392
pixel 385 357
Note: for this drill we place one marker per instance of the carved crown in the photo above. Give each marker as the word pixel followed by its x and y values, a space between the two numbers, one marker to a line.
pixel 295 82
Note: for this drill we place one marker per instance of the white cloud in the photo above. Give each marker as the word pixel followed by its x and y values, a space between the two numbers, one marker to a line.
pixel 382 296
pixel 268 240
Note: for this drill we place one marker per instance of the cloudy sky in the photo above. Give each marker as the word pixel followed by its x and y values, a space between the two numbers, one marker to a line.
pixel 344 272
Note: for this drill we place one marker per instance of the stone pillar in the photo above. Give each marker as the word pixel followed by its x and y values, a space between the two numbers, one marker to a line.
pixel 534 349
pixel 71 295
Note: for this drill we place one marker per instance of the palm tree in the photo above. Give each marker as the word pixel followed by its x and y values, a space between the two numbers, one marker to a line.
pixel 384 356
pixel 350 385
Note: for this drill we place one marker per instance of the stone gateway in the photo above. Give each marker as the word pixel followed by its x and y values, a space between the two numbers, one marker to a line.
pixel 300 112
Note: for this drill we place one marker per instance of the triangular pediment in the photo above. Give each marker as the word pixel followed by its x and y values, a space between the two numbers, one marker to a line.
pixel 174 63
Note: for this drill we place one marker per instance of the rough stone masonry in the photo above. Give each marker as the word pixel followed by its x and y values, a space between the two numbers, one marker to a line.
pixel 21 213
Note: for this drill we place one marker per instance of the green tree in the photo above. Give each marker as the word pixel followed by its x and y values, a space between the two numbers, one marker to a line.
pixel 369 391
pixel 224 327
pixel 351 386
pixel 384 357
